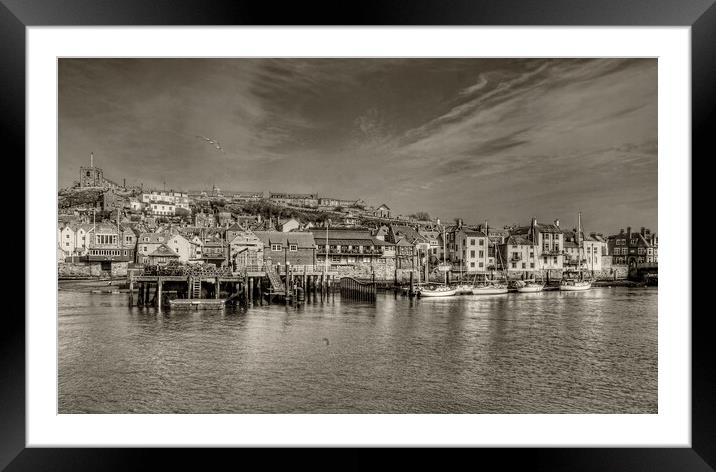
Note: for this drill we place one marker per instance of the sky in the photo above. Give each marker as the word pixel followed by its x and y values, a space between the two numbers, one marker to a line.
pixel 502 140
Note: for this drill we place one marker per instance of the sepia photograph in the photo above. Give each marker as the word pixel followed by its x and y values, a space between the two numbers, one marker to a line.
pixel 357 235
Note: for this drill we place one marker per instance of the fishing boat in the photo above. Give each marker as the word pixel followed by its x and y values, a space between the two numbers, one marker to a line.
pixel 579 283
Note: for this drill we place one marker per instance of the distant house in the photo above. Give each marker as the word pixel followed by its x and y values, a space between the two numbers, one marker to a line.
pixel 295 248
pixel 382 211
pixel 223 218
pixel 519 254
pixel 549 241
pixel 286 225
pixel 308 200
pixel 214 251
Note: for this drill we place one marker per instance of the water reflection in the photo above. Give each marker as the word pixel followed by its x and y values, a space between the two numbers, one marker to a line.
pixel 547 352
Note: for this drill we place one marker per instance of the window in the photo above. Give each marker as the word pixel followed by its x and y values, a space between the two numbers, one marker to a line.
pixel 482 265
pixel 67 236
pixel 532 265
pixel 532 254
pixel 67 244
pixel 555 259
pixel 336 258
pixel 545 260
pixel 524 265
pixel 293 247
pixel 145 248
pixel 482 254
pixel 472 265
pixel 276 247
pixel 514 265
pixel 472 253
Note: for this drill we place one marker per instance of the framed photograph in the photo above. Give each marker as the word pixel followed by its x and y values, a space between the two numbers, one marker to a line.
pixel 433 227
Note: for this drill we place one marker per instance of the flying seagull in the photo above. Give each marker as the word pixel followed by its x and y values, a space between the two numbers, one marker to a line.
pixel 212 142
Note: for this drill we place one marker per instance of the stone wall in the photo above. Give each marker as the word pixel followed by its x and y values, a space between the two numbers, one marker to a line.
pixel 68 269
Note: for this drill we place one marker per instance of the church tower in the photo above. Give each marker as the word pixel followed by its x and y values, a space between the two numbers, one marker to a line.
pixel 91 176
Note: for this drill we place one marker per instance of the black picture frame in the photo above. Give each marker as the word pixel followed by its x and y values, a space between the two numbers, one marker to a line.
pixel 700 15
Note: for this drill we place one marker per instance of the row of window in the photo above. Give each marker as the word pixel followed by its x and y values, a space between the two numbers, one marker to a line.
pixel 107 252
pixel 279 247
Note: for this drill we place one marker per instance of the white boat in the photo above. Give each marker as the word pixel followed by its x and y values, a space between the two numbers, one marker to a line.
pixel 439 291
pixel 579 284
pixel 489 289
pixel 464 289
pixel 531 287
pixel 575 285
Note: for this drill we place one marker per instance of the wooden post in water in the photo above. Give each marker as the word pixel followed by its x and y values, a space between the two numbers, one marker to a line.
pixel 217 288
pixel 159 294
pixel 411 292
pixel 131 291
pixel 251 291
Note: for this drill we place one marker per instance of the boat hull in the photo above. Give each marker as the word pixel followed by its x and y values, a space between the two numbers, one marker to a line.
pixel 437 293
pixel 489 290
pixel 575 288
pixel 531 289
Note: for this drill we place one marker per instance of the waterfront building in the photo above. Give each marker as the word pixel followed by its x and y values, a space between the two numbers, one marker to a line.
pixel 107 254
pixel 214 251
pixel 295 248
pixel 349 247
pixel 147 243
pixel 549 240
pixel 593 249
pixel 632 248
pixel 246 250
pixel 471 249
pixel 162 255
pixel 519 255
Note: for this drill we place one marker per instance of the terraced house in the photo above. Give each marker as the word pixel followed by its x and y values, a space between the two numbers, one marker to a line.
pixel 295 248
pixel 633 248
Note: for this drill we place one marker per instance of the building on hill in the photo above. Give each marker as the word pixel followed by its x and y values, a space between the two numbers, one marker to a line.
pixel 93 177
pixel 382 211
pixel 288 224
pixel 308 200
pixel 591 247
pixel 147 243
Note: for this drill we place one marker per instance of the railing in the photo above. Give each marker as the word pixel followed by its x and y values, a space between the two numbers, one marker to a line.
pixel 357 289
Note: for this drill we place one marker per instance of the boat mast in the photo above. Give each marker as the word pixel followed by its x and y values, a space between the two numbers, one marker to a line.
pixel 579 243
pixel 444 267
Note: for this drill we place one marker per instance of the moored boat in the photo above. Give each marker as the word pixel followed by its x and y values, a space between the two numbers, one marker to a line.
pixel 437 291
pixel 531 287
pixel 575 285
pixel 489 289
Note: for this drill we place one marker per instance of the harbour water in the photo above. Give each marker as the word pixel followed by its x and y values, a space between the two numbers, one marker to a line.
pixel 549 352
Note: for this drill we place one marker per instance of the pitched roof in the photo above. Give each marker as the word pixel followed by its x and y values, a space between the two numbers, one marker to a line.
pixel 342 234
pixel 299 238
pixel 154 238
pixel 164 251
pixel 518 240
pixel 474 232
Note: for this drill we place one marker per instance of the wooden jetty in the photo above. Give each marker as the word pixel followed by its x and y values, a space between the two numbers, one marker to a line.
pixel 209 287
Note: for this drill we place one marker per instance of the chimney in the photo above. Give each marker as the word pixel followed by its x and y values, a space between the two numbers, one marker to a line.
pixel 628 229
pixel 643 231
pixel 621 231
pixel 91 159
pixel 556 222
pixel 459 222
